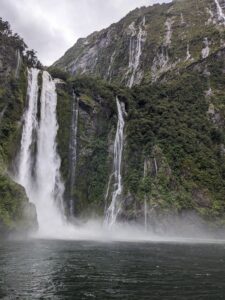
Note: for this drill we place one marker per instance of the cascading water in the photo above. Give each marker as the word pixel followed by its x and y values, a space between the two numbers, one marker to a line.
pixel 18 64
pixel 38 170
pixel 49 198
pixel 115 206
pixel 73 150
pixel 145 215
pixel 24 176
pixel 135 52
pixel 220 13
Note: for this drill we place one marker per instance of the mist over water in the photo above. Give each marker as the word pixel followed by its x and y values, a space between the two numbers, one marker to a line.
pixel 96 230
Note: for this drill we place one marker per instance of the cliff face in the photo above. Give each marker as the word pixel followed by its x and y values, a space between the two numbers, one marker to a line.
pixel 149 42
pixel 16 213
pixel 95 133
pixel 173 157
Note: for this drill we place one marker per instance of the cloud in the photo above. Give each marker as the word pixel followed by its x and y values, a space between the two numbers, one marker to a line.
pixel 52 26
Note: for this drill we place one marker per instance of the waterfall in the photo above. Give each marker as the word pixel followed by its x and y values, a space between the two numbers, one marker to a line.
pixel 115 206
pixel 73 149
pixel 2 113
pixel 39 171
pixel 49 186
pixel 135 52
pixel 145 215
pixel 188 56
pixel 24 176
pixel 220 11
pixel 156 166
pixel 18 64
pixel 206 49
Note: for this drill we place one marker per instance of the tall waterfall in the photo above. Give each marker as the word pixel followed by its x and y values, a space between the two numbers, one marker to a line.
pixel 115 206
pixel 39 167
pixel 73 149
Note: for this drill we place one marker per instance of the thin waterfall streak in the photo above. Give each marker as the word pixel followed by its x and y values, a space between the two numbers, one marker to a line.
pixel 2 113
pixel 135 51
pixel 108 186
pixel 220 11
pixel 73 148
pixel 156 166
pixel 18 64
pixel 115 206
pixel 145 215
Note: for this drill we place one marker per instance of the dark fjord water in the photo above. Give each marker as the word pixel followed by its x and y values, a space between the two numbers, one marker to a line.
pixel 42 269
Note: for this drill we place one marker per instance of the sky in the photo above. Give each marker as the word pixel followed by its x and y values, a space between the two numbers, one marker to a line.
pixel 52 26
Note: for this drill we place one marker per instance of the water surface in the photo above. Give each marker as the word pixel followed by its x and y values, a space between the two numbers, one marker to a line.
pixel 57 269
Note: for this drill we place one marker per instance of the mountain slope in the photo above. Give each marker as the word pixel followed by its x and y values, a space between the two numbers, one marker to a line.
pixel 149 42
pixel 173 159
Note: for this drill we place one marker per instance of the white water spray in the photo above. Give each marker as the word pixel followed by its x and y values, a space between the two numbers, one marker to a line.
pixel 115 206
pixel 45 188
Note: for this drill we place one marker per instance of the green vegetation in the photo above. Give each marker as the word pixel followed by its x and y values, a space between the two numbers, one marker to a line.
pixel 167 124
pixel 16 214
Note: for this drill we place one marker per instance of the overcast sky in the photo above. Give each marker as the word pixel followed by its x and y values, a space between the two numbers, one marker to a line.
pixel 52 26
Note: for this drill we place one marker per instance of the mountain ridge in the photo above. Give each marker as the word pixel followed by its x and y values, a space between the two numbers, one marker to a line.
pixel 148 42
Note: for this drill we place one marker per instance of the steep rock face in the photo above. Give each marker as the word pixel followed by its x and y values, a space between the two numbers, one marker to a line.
pixel 16 213
pixel 149 42
pixel 173 158
pixel 96 128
